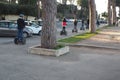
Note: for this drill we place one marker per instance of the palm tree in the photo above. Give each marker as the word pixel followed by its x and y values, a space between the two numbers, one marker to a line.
pixel 48 37
pixel 92 16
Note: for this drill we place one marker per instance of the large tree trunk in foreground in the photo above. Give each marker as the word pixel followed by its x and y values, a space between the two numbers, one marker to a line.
pixel 38 6
pixel 48 37
pixel 114 12
pixel 92 16
pixel 109 13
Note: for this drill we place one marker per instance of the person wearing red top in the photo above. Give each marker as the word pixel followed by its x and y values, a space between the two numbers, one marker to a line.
pixel 64 23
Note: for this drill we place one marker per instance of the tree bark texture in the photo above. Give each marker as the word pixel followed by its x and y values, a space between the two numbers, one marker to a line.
pixel 38 6
pixel 114 12
pixel 92 16
pixel 48 37
pixel 109 12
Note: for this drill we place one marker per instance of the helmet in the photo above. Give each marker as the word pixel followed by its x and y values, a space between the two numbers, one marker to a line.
pixel 21 15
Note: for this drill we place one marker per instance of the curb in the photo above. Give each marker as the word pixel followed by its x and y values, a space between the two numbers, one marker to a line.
pixel 94 46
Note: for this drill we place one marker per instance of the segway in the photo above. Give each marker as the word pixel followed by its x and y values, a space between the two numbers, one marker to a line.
pixel 20 41
pixel 75 26
pixel 74 30
pixel 63 32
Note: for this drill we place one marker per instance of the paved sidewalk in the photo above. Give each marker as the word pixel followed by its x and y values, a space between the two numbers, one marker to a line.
pixel 108 39
pixel 70 34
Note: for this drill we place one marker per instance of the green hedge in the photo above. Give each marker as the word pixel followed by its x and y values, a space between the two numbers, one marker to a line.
pixel 16 9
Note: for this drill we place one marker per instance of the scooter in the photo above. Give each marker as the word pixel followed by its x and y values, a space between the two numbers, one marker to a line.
pixel 20 41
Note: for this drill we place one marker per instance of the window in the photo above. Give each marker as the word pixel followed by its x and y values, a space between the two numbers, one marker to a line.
pixel 3 25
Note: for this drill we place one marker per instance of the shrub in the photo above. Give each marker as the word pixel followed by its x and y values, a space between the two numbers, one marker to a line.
pixel 16 9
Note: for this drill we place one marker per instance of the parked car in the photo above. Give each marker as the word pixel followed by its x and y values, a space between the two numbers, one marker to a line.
pixel 9 28
pixel 34 27
pixel 38 22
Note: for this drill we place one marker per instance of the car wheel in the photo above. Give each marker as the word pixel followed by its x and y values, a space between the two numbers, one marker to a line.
pixel 39 33
pixel 25 34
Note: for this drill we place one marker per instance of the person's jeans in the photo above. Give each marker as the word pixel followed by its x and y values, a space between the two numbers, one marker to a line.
pixel 20 34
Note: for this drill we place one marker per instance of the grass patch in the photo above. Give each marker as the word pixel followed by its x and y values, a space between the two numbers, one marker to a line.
pixel 77 37
pixel 59 46
pixel 108 26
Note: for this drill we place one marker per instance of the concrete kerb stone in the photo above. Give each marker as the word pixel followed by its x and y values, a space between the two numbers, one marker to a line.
pixel 94 46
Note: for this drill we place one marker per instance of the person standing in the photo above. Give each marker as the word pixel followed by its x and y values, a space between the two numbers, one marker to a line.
pixel 87 27
pixel 97 23
pixel 75 24
pixel 82 27
pixel 64 23
pixel 21 25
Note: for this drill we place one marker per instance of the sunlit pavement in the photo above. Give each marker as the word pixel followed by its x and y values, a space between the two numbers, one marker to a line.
pixel 82 63
pixel 108 38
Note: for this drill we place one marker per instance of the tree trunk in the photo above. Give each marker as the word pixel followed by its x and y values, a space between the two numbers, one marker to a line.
pixel 92 16
pixel 38 6
pixel 109 13
pixel 48 37
pixel 113 12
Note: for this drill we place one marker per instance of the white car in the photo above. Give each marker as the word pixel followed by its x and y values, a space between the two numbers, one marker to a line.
pixel 35 28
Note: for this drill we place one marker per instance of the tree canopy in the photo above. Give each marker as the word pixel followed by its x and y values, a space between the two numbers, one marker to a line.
pixel 118 3
pixel 27 2
pixel 84 8
pixel 82 3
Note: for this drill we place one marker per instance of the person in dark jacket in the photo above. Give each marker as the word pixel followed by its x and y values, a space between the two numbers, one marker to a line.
pixel 82 25
pixel 21 25
pixel 87 27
